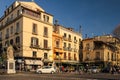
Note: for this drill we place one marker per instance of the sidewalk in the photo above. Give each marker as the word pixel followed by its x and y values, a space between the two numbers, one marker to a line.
pixel 101 76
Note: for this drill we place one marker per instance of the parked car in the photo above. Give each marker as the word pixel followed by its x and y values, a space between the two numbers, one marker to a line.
pixel 106 70
pixel 93 69
pixel 46 69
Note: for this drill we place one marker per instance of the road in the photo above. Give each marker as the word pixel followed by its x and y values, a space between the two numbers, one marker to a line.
pixel 60 76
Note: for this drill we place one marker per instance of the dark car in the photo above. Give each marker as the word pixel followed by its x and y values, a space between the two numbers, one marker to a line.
pixel 105 70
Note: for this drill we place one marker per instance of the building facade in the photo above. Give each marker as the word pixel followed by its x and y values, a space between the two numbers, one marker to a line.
pixel 35 39
pixel 28 28
pixel 66 46
pixel 101 51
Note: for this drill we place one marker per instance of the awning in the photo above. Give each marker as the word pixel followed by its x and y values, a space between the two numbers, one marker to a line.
pixel 33 62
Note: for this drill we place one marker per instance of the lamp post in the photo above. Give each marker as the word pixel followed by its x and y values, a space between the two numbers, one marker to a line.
pixel 89 56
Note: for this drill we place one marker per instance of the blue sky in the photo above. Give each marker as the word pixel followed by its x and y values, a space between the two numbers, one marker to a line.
pixel 95 16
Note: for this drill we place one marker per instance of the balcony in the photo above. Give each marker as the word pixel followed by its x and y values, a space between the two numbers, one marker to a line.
pixel 65 38
pixel 45 35
pixel 75 50
pixel 31 14
pixel 65 48
pixel 46 48
pixel 69 49
pixel 69 39
pixel 75 41
pixel 16 33
pixel 35 46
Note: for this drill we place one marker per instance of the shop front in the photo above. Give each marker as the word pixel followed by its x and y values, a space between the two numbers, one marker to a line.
pixel 31 65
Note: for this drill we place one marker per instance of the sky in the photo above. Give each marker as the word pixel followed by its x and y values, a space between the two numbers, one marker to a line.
pixel 96 17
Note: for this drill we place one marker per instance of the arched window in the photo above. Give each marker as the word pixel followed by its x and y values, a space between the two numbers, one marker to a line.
pixel 17 39
pixel 11 42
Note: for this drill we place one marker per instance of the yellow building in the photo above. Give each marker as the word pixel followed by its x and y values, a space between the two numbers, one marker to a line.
pixel 66 46
pixel 28 28
pixel 101 51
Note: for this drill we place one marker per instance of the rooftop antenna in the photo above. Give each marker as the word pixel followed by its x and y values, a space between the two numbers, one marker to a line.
pixel 86 36
pixel 80 29
pixel 56 22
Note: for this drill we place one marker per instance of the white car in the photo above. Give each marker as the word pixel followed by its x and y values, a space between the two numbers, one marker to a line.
pixel 46 69
pixel 94 69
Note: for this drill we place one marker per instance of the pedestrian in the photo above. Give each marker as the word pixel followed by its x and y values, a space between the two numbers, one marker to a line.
pixel 62 68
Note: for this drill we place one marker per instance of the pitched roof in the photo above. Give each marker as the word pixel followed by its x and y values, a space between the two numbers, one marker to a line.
pixel 31 5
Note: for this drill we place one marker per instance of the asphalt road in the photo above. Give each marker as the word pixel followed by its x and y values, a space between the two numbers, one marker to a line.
pixel 60 76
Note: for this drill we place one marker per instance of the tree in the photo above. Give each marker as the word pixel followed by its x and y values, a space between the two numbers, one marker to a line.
pixel 116 32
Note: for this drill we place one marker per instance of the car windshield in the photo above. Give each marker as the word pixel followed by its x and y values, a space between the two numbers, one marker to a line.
pixel 94 67
pixel 46 67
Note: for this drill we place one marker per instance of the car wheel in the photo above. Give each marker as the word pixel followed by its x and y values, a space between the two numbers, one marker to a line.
pixel 40 72
pixel 52 72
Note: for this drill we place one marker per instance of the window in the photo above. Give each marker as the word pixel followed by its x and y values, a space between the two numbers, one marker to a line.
pixel 97 56
pixel 0 35
pixel 18 13
pixel 11 42
pixel 69 45
pixel 17 40
pixel 64 45
pixel 7 43
pixel 57 43
pixel 34 30
pixel 69 36
pixel 11 16
pixel 87 46
pixel 11 30
pixel 45 44
pixel 108 56
pixel 65 35
pixel 17 27
pixel 65 56
pixel 7 19
pixel 74 38
pixel 45 31
pixel 45 55
pixel 46 18
pixel 34 41
pixel 34 54
pixel 69 56
pixel 7 33
pixel 113 56
pixel 75 58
